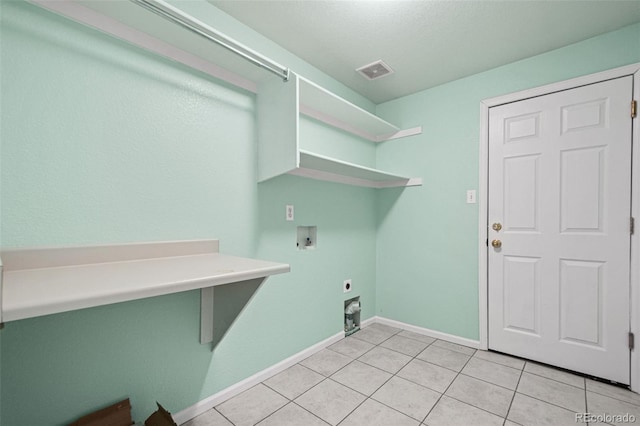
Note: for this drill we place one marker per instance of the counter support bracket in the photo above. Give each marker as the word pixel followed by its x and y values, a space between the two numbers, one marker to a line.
pixel 206 315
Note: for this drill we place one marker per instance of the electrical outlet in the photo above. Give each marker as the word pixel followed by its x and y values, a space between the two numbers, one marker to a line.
pixel 289 212
pixel 347 286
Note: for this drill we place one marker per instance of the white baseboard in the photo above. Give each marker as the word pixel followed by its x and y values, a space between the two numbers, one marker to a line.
pixel 233 390
pixel 428 332
pixel 368 322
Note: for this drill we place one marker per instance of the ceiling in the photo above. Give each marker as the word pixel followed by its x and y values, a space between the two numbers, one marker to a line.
pixel 427 42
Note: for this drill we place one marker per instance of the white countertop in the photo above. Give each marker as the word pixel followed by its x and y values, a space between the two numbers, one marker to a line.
pixel 34 291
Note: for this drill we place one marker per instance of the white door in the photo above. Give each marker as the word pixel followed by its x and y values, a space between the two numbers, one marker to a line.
pixel 560 187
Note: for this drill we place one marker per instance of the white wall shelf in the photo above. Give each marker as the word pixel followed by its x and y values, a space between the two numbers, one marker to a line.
pixel 45 281
pixel 318 166
pixel 279 103
pixel 319 103
pixel 279 108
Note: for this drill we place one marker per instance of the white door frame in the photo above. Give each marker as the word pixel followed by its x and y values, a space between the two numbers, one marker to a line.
pixel 634 70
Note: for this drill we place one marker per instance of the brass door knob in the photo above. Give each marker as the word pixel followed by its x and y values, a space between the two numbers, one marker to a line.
pixel 497 227
pixel 496 243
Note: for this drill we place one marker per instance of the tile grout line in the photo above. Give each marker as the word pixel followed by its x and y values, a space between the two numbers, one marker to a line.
pixel 280 408
pixel 366 397
pixel 586 402
pixel 402 378
pixel 471 356
pixel 439 366
pixel 546 402
pixel 451 348
pixel 325 378
pixel 415 357
pixel 359 340
pixel 557 381
pixel 445 391
pixel 433 339
pixel 485 381
pixel 503 365
pixel 271 414
pixel 515 391
pixel 432 343
pixel 355 336
pixel 558 370
pixel 224 417
pixel 475 406
pixel 394 409
pixel 397 332
pixel 372 366
pixel 392 374
pixel 464 374
pixel 313 414
pixel 292 400
pixel 581 376
pixel 355 390
pixel 289 401
pixel 613 397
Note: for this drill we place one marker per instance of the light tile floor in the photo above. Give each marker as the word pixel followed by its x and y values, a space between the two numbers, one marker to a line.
pixel 389 377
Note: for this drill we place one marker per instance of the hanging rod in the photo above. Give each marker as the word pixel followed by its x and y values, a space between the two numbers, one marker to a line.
pixel 174 15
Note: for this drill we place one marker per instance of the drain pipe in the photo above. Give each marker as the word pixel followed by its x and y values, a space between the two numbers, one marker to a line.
pixel 351 309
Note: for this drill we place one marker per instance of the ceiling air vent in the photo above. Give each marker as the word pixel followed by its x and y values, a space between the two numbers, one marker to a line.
pixel 375 70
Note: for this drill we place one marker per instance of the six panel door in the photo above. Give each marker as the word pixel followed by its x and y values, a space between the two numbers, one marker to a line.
pixel 560 187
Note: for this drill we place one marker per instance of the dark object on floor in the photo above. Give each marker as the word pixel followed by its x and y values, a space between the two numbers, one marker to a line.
pixel 118 414
pixel 160 418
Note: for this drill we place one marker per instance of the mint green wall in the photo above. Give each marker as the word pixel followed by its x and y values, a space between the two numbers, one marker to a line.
pixel 428 238
pixel 323 139
pixel 102 142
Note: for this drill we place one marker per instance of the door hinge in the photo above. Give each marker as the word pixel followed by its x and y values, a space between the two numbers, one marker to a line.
pixel 634 109
pixel 631 341
pixel 632 225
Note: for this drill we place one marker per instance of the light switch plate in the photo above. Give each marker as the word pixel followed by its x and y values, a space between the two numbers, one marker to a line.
pixel 471 196
pixel 289 212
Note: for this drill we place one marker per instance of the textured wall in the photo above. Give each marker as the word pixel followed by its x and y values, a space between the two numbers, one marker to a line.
pixel 102 142
pixel 434 282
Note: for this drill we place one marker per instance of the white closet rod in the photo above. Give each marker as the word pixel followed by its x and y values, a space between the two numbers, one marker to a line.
pixel 176 16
